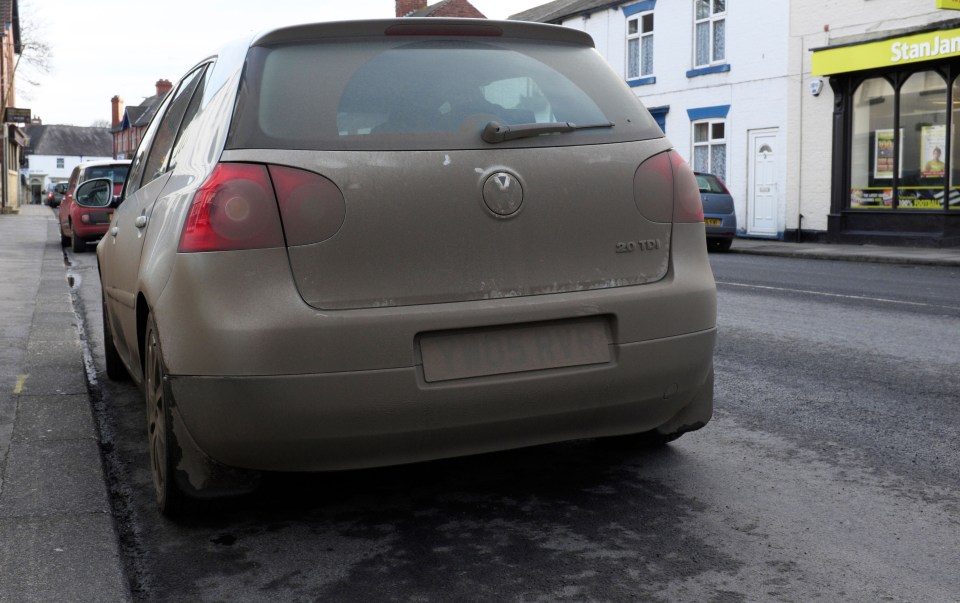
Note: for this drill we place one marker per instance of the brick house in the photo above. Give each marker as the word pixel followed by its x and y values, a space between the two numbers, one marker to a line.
pixel 128 124
pixel 13 137
pixel 445 8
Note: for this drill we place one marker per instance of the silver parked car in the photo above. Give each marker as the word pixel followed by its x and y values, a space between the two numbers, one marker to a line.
pixel 355 244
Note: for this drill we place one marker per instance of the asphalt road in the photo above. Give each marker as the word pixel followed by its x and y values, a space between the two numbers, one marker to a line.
pixel 831 472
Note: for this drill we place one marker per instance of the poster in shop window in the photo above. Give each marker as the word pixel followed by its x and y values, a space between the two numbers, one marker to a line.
pixel 883 154
pixel 932 139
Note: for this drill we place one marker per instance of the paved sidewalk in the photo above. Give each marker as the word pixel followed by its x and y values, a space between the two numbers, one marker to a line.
pixel 853 253
pixel 57 536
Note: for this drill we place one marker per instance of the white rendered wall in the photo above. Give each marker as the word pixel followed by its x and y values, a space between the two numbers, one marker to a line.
pixel 756 88
pixel 45 166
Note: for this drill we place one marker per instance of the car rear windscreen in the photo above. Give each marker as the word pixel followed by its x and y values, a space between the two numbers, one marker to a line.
pixel 398 94
pixel 711 184
pixel 117 173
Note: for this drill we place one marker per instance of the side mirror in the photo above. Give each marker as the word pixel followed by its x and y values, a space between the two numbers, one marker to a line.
pixel 95 193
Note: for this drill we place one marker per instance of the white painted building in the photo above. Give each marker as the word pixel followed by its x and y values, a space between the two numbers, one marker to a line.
pixel 54 150
pixel 714 73
pixel 821 115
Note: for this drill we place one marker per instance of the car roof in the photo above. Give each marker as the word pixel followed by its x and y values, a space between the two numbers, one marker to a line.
pixel 102 162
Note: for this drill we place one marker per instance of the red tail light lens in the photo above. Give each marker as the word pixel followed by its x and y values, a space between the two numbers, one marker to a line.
pixel 311 207
pixel 687 206
pixel 665 189
pixel 653 188
pixel 234 209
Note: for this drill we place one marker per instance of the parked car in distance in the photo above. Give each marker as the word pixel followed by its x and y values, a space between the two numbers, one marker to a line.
pixel 718 212
pixel 79 223
pixel 55 194
pixel 356 244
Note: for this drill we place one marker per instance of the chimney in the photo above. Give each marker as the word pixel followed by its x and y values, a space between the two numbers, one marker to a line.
pixel 405 7
pixel 163 86
pixel 116 111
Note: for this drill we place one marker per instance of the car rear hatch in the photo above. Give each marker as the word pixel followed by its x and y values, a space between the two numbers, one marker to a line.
pixel 456 166
pixel 716 198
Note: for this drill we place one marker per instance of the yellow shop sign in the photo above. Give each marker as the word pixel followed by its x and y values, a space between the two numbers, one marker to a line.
pixel 888 53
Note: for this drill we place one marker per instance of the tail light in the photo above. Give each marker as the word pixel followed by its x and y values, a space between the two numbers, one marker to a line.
pixel 687 206
pixel 311 207
pixel 234 209
pixel 665 189
pixel 237 208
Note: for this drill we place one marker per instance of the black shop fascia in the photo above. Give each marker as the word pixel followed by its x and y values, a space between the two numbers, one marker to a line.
pixel 895 176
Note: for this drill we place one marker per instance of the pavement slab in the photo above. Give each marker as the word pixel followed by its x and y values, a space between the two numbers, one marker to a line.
pixel 58 541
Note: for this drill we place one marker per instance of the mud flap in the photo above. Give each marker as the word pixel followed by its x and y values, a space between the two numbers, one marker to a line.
pixel 196 474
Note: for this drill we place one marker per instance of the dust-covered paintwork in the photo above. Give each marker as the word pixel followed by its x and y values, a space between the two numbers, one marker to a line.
pixel 435 294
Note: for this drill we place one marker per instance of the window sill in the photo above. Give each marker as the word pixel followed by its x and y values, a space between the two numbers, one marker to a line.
pixel 642 81
pixel 708 70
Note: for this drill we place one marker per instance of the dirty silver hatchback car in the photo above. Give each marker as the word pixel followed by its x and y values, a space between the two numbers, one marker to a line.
pixel 346 245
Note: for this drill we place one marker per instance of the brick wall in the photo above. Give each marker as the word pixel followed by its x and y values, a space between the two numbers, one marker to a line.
pixel 405 7
pixel 458 8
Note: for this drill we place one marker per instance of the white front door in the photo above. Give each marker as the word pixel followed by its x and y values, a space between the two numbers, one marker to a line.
pixel 763 190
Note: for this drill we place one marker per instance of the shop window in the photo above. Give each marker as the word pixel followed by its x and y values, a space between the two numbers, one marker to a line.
pixel 710 147
pixel 871 156
pixel 640 46
pixel 923 124
pixel 709 32
pixel 954 199
pixel 915 152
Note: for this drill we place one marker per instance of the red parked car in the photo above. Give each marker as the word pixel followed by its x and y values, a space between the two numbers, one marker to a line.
pixel 86 220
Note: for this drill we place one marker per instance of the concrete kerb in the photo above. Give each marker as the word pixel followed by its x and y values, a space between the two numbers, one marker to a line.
pixel 849 253
pixel 57 536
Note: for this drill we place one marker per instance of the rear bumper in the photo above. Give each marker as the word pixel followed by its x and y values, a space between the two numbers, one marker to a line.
pixel 262 381
pixel 375 418
pixel 727 229
pixel 89 232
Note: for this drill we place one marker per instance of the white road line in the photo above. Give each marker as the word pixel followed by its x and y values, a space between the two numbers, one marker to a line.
pixel 837 295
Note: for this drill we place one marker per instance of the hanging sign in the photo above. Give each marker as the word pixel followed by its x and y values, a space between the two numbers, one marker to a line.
pixel 19 116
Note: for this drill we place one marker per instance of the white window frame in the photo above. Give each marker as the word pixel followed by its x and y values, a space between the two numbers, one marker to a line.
pixel 713 18
pixel 639 37
pixel 709 144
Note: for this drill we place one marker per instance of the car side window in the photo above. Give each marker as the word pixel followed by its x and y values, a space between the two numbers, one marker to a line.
pixel 156 163
pixel 192 109
pixel 134 180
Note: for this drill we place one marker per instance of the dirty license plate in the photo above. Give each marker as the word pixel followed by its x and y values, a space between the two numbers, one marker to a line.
pixel 496 351
pixel 713 221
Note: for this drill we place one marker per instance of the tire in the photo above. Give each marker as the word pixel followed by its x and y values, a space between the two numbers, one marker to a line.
pixel 719 245
pixel 77 244
pixel 115 369
pixel 161 440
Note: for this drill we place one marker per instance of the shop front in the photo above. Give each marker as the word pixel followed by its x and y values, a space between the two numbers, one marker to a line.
pixel 896 155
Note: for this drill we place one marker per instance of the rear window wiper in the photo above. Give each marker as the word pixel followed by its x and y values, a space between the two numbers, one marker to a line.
pixel 495 132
